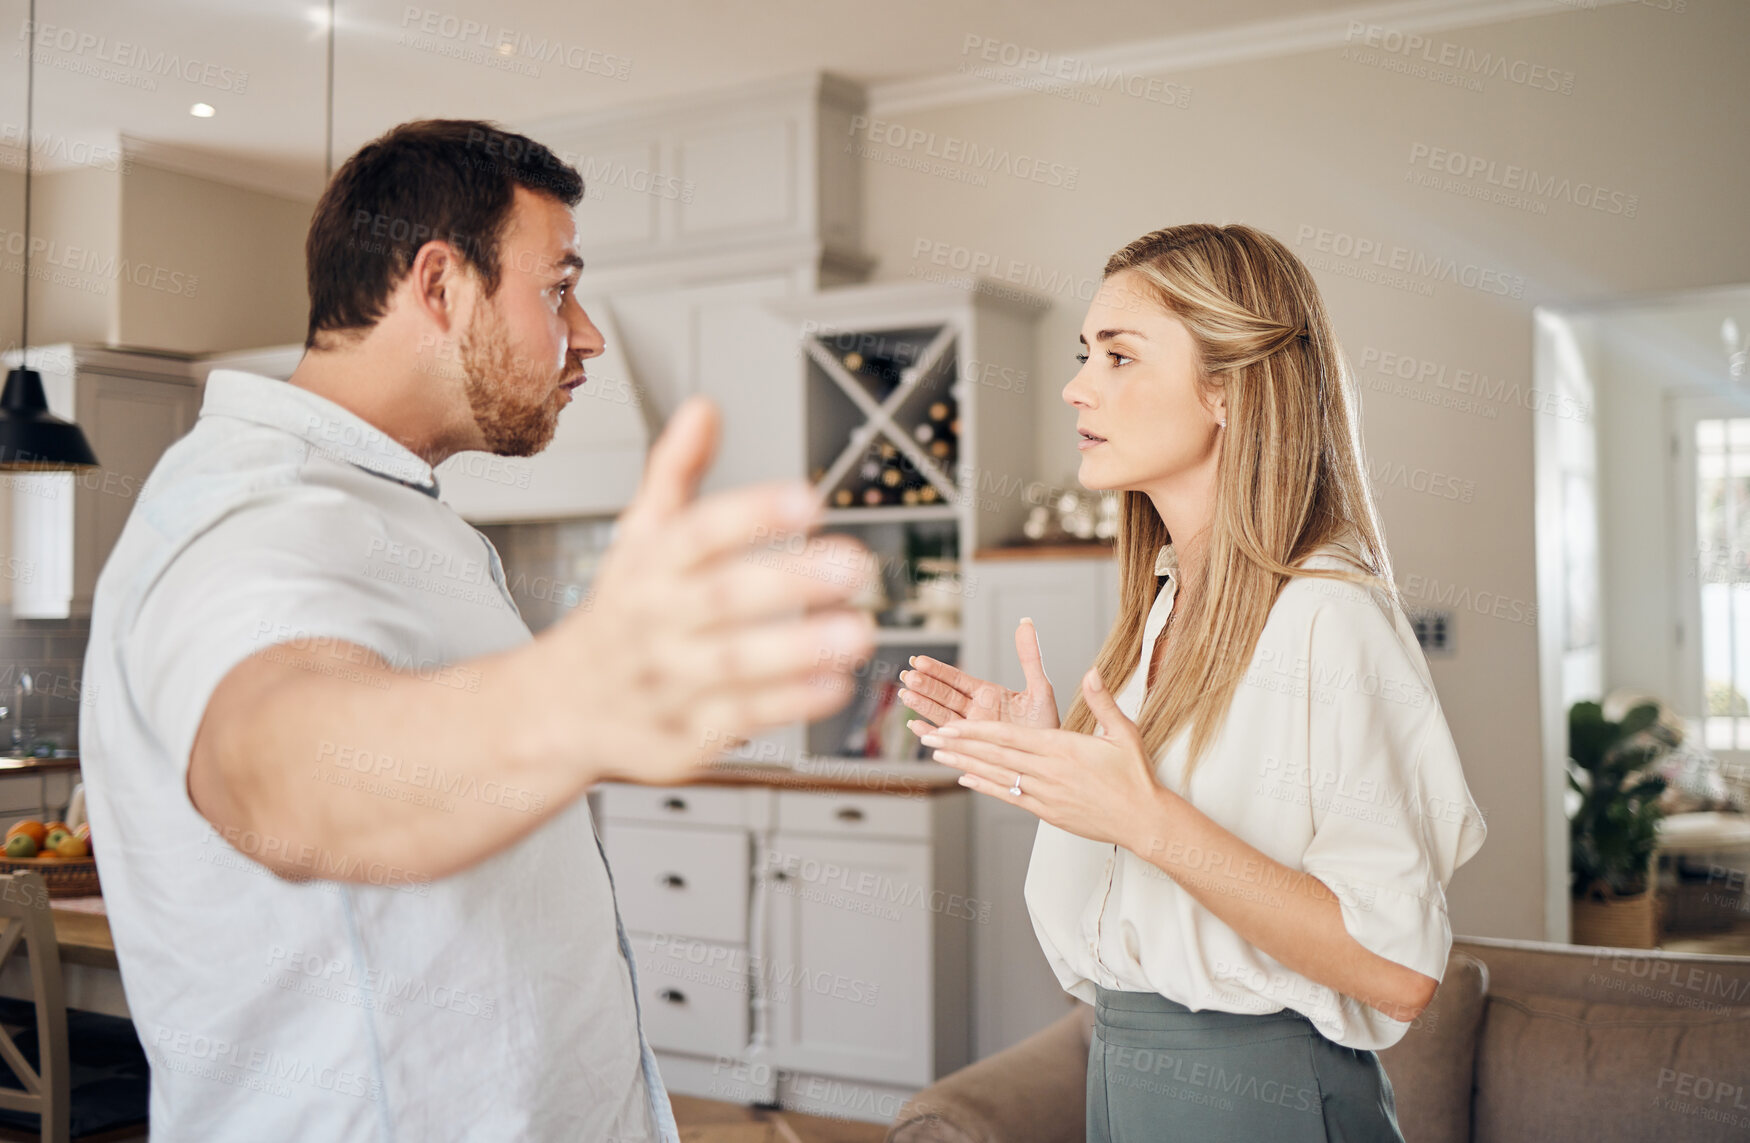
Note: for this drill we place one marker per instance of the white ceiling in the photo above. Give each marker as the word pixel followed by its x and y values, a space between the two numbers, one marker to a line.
pixel 105 68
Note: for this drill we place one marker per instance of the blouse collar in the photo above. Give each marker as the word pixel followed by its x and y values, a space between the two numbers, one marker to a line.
pixel 1166 560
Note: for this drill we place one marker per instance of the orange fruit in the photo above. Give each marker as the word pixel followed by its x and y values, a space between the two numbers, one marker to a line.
pixel 37 830
pixel 72 846
pixel 56 825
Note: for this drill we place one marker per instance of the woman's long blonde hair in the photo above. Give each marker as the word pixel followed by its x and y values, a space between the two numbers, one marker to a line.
pixel 1290 478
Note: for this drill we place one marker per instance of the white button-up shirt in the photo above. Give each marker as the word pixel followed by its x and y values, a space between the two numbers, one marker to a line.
pixel 1334 759
pixel 494 1004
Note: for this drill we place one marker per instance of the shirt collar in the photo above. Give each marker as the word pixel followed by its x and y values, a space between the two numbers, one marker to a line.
pixel 1167 561
pixel 326 427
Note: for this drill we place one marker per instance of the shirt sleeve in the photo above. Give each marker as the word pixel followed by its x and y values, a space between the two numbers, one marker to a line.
pixel 1392 816
pixel 295 565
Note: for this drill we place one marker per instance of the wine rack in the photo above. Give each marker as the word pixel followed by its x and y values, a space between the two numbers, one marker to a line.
pixel 921 461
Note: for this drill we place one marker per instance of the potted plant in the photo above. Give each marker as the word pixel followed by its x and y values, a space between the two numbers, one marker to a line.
pixel 1614 823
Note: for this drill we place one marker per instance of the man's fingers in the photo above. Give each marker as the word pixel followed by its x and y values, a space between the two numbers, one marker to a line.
pixel 762 584
pixel 772 518
pixel 730 714
pixel 831 642
pixel 674 466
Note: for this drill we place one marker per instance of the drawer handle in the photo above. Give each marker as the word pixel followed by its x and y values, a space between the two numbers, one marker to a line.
pixel 672 881
pixel 675 805
pixel 672 996
pixel 850 814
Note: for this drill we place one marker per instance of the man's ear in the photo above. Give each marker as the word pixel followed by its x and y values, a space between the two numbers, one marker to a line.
pixel 435 284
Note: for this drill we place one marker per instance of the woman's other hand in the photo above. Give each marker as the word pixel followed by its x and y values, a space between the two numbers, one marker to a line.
pixel 1098 786
pixel 943 694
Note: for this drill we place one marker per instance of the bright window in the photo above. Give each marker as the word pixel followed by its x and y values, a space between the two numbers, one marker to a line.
pixel 1722 522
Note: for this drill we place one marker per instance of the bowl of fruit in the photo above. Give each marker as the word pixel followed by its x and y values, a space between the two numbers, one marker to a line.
pixel 61 855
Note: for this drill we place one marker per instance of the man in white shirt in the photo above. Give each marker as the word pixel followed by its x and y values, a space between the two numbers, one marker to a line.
pixel 334 783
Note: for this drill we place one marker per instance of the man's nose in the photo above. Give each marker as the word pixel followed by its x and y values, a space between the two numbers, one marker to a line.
pixel 586 339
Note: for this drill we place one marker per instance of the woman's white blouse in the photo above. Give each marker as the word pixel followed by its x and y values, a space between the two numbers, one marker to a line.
pixel 1334 759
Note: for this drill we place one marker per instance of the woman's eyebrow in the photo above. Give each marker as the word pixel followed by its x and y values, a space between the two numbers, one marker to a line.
pixel 1109 334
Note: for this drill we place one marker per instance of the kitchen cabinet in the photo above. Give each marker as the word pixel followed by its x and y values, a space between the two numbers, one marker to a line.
pixel 132 406
pixel 1073 603
pixel 799 946
pixel 35 792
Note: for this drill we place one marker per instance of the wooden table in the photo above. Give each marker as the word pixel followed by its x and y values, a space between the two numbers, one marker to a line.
pixel 84 938
pixel 90 974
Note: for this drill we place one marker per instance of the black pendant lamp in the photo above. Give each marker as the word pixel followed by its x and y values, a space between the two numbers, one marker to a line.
pixel 31 438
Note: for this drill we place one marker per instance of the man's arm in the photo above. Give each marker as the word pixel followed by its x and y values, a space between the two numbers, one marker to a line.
pixel 707 623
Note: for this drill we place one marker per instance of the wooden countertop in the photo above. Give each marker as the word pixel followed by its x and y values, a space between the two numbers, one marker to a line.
pixel 905 779
pixel 17 765
pixel 1087 551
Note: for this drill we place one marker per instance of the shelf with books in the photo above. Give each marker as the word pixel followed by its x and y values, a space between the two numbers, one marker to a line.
pixel 872 725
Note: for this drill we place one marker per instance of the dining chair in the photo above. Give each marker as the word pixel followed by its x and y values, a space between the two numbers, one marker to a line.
pixel 64 1076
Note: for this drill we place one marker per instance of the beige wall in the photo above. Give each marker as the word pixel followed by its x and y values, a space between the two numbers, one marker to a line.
pixel 11 259
pixel 1321 143
pixel 212 267
pixel 155 259
pixel 75 267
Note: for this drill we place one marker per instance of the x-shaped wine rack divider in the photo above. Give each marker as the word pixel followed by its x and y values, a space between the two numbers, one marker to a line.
pixel 880 416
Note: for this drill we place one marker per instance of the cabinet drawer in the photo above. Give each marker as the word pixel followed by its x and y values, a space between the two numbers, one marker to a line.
pixel 693 995
pixel 853 815
pixel 680 882
pixel 685 805
pixel 22 794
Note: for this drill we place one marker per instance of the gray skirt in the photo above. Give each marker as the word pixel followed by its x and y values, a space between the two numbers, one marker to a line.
pixel 1161 1073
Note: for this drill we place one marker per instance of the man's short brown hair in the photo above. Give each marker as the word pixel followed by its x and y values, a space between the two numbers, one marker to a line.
pixel 448 180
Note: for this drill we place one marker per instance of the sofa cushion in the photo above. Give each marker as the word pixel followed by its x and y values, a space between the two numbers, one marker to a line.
pixel 1432 1069
pixel 1033 1092
pixel 1559 1068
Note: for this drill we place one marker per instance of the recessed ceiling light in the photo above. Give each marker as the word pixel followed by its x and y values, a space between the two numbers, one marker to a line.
pixel 202 111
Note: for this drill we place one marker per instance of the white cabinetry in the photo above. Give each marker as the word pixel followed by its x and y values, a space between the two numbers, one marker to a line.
pixel 35 793
pixel 132 406
pixel 1073 603
pixel 810 948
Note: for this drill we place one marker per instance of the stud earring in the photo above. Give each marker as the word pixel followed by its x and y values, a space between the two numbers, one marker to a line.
pixel 1221 424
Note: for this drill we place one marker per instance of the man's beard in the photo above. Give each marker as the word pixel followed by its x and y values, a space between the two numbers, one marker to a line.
pixel 495 381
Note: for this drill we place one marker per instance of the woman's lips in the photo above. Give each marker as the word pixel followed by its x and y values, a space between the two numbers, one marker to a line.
pixel 1087 442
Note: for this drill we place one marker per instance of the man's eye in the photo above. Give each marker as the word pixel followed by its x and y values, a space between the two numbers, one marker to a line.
pixel 1082 357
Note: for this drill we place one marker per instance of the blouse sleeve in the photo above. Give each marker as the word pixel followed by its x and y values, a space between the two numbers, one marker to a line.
pixel 1392 816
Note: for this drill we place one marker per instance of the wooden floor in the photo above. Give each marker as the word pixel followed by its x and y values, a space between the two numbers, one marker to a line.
pixel 711 1121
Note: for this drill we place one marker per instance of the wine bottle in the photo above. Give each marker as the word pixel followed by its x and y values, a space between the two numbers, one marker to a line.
pixel 880 373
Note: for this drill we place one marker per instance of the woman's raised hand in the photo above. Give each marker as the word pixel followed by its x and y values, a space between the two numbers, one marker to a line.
pixel 943 694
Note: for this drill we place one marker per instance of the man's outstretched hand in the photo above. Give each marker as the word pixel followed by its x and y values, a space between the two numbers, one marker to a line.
pixel 709 621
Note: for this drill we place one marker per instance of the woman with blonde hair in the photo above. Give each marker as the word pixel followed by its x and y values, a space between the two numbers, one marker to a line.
pixel 1250 815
